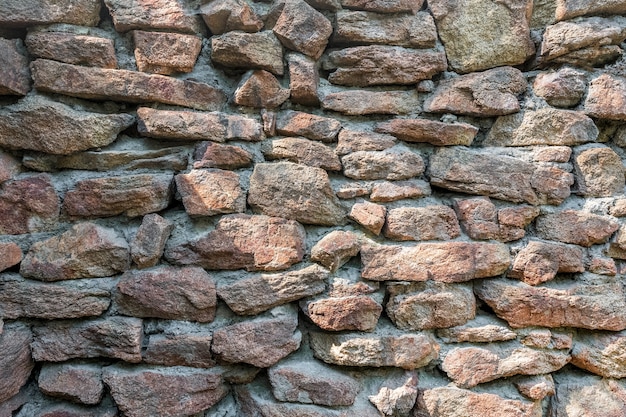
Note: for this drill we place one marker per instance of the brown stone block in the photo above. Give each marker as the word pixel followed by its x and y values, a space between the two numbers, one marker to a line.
pixel 23 13
pixel 170 15
pixel 248 51
pixel 91 51
pixel 16 362
pixel 207 192
pixel 77 383
pixel 436 222
pixel 429 131
pixel 165 53
pixel 302 28
pixel 28 205
pixel 15 76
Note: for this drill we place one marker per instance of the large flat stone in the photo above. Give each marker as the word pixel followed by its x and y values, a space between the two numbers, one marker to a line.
pixel 92 51
pixel 165 53
pixel 588 395
pixel 350 312
pixel 540 261
pixel 187 349
pixel 568 9
pixel 20 13
pixel 601 353
pixel 207 192
pixel 81 383
pixel 429 131
pixel 434 222
pixel 164 15
pixel 303 151
pixel 297 123
pixel 360 102
pixel 243 50
pixel 390 164
pixel 577 227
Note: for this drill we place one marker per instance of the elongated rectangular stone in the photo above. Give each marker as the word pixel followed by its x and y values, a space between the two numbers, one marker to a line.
pixel 22 13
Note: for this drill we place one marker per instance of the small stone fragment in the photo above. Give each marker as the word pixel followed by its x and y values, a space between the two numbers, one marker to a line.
pixel 28 205
pixel 262 292
pixel 429 305
pixel 353 190
pixel 335 249
pixel 295 123
pixel 10 255
pixel 167 292
pixel 601 353
pixel 429 131
pixel 539 261
pixel 294 191
pixel 482 329
pixel 189 349
pixel 248 51
pixel 112 337
pixel 600 172
pixel 357 312
pixel 16 362
pixel 15 77
pixel 564 88
pixel 436 222
pixel 207 192
pixel 229 15
pixel 303 79
pixel 369 215
pixel 147 246
pixel 260 89
pixel 303 151
pixel 215 155
pixel 92 51
pixel 77 383
pixel 605 98
pixel 165 53
pixel 9 166
pixel 386 191
pixel 302 28
pixel 390 164
pixel 20 13
pixel 513 220
pixel 478 217
pixel 603 266
pixel 483 94
pixel 131 195
pixel 577 227
pixel 361 102
pixel 162 392
pixel 241 241
pixel 359 140
pixel 260 342
pixel 164 15
pixel 84 251
pixel 536 387
pixel 396 402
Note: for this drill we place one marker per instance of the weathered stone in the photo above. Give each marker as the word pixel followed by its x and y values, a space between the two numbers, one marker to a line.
pixel 310 382
pixel 260 342
pixel 20 13
pixel 430 305
pixel 600 353
pixel 215 155
pixel 15 78
pixel 396 402
pixel 471 366
pixel 564 88
pixel 147 246
pixel 384 347
pixel 207 192
pixel 540 261
pixel 167 292
pixel 483 94
pixel 386 191
pixel 592 56
pixel 566 37
pixel 390 164
pixel 546 339
pixel 295 123
pixel 123 85
pixel 303 79
pixel 16 362
pixel 228 15
pixel 248 51
pixel 502 177
pixel 189 349
pixel 40 124
pixel 10 255
pixel 303 151
pixel 260 89
pixel 362 28
pixel 162 392
pixel 384 6
pixel 552 154
pixel 382 65
pixel 92 51
pixel 165 53
pixel 131 195
pixel 294 191
pixel 9 166
pixel 437 222
pixel 605 98
pixel 603 266
pixel 112 337
pixel 542 127
pixel 588 396
pixel 585 306
pixel 335 249
pixel 168 15
pixel 479 35
pixel 302 28
pixel 456 402
pixel 478 217
pixel 600 172
pixel 77 383
pixel 361 102
pixel 536 387
pixel 353 190
pixel 358 312
pixel 429 131
pixel 359 140
pixel 186 125
pixel 577 227
pixel 513 220
pixel 568 9
pixel 25 298
pixel 483 329
pixel 73 410
pixel 445 262
pixel 243 241
pixel 15 403
pixel 369 215
pixel 84 251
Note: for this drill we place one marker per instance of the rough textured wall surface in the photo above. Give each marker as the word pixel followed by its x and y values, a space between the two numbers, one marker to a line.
pixel 312 208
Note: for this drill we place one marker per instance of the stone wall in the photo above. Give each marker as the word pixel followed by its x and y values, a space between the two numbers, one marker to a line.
pixel 326 208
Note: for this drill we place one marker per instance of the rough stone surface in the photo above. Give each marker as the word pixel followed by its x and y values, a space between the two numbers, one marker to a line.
pixel 568 9
pixel 383 6
pixel 192 349
pixel 15 78
pixel 536 387
pixel 478 217
pixel 357 140
pixel 600 353
pixel 123 85
pixel 390 164
pixel 10 255
pixel 166 15
pixel 305 197
pixel 564 88
pixel 303 151
pixel 361 102
pixel 303 29
pixel 483 94
pixel 16 362
pixel 84 251
pixel 163 392
pixel 588 396
pixel 248 51
pixel 396 402
pixel 207 192
pixel 112 337
pixel 260 89
pixel 483 329
pixel 18 13
pixel 358 312
pixel 386 191
pixel 228 15
pixel 296 123
pixel 243 241
pixel 40 124
pixel 303 79
pixel 429 131
pixel 147 246
pixel 28 205
pixel 445 262
pixel 605 98
pixel 577 227
pixel 215 155
pixel 91 51
pixel 335 249
pixel 167 292
pixel 585 306
pixel 165 53
pixel 132 195
pixel 9 166
pixel 77 383
pixel 422 223
pixel 540 261
pixel 478 34
pixel 369 215
pixel 600 172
